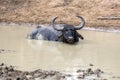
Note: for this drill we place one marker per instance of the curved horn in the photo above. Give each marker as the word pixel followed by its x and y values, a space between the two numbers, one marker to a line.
pixel 82 24
pixel 53 24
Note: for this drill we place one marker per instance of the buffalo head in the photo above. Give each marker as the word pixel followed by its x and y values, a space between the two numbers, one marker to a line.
pixel 69 32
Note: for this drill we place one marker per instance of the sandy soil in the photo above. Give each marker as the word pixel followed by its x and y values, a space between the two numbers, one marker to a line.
pixel 43 11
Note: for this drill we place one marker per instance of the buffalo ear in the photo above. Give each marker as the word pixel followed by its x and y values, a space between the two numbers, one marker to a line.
pixel 79 35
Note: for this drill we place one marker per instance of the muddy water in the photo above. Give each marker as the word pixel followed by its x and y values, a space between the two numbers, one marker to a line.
pixel 99 48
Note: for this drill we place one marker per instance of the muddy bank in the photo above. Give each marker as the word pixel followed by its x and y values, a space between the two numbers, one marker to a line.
pixel 11 73
pixel 93 28
pixel 42 12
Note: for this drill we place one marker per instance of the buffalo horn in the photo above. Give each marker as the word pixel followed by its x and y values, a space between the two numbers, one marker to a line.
pixel 53 24
pixel 82 24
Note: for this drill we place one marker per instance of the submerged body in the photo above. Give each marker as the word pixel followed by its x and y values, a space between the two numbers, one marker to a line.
pixel 44 33
pixel 68 33
pixel 48 33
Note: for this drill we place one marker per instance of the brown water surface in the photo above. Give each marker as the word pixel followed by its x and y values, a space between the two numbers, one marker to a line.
pixel 99 48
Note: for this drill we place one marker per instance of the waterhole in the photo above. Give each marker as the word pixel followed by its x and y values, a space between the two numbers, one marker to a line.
pixel 102 49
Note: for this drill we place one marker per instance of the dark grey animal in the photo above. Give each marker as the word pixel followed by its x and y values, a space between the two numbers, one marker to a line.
pixel 66 33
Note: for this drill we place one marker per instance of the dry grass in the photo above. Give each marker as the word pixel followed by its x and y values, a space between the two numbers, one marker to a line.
pixel 43 11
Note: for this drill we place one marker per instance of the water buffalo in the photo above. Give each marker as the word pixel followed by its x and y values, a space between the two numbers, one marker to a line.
pixel 64 32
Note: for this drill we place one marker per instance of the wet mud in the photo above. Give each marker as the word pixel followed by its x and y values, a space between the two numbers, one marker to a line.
pixel 11 73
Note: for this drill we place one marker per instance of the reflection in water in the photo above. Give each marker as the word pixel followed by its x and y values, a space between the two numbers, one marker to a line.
pixel 98 48
pixel 65 50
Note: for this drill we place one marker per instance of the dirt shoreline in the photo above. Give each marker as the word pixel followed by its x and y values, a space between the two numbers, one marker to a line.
pixel 11 73
pixel 99 28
